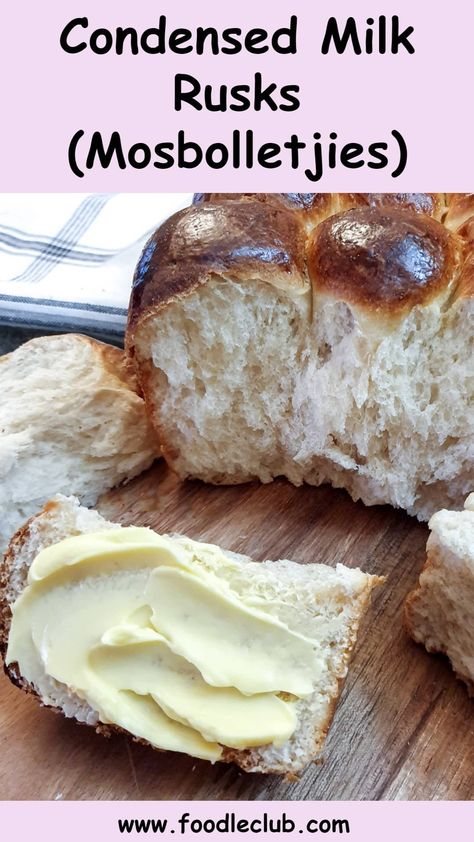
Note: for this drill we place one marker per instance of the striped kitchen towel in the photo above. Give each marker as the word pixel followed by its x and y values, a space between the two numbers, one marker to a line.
pixel 67 259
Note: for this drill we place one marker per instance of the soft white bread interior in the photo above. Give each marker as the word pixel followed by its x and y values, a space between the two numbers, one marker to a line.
pixel 440 611
pixel 71 421
pixel 337 348
pixel 321 602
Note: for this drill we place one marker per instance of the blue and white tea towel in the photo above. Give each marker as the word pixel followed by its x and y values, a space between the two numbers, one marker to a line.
pixel 67 259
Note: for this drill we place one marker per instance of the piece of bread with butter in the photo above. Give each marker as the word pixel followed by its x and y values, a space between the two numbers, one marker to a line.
pixel 322 337
pixel 440 610
pixel 180 644
pixel 72 421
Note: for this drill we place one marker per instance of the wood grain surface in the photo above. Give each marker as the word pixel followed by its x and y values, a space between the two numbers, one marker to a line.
pixel 404 728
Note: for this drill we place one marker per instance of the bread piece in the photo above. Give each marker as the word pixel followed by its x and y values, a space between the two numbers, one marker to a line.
pixel 440 611
pixel 327 340
pixel 71 419
pixel 320 602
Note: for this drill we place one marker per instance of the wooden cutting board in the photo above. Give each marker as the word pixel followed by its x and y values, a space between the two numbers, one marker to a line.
pixel 404 728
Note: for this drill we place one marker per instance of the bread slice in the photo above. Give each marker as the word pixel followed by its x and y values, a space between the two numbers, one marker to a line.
pixel 321 340
pixel 72 420
pixel 319 601
pixel 440 611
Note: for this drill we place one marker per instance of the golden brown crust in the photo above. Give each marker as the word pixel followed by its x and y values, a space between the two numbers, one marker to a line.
pixel 404 258
pixel 242 239
pixel 383 258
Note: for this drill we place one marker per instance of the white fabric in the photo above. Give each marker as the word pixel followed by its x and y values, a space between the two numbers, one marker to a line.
pixel 67 259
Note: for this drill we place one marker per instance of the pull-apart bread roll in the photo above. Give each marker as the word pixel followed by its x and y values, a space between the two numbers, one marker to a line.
pixel 440 611
pixel 180 644
pixel 323 337
pixel 71 421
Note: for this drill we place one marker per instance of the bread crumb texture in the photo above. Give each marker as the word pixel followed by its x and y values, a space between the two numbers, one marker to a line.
pixel 71 421
pixel 363 377
pixel 440 611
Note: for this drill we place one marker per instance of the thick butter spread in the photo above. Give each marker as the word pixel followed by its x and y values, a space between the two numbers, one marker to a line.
pixel 149 632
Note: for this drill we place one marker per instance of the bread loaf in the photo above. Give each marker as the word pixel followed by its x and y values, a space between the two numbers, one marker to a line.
pixel 71 420
pixel 317 601
pixel 322 337
pixel 440 611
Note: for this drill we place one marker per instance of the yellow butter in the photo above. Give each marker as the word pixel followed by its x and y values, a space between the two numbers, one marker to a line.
pixel 232 644
pixel 142 717
pixel 159 644
pixel 111 549
pixel 142 661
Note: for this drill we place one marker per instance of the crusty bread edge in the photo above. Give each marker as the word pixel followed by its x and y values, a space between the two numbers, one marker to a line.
pixel 247 760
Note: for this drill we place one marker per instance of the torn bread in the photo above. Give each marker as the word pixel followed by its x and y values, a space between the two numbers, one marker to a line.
pixel 72 420
pixel 320 337
pixel 440 611
pixel 320 602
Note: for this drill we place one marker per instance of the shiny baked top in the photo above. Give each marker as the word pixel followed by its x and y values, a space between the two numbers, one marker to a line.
pixel 244 239
pixel 384 253
pixel 381 257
